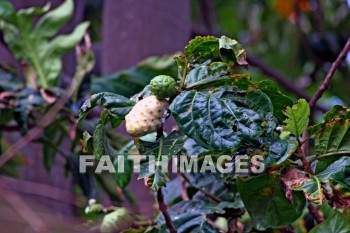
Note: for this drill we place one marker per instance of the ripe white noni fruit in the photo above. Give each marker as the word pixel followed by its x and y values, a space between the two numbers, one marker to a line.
pixel 146 116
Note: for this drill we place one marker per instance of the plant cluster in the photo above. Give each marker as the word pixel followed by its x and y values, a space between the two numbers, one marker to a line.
pixel 219 110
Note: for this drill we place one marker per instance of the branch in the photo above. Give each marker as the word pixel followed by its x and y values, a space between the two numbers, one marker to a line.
pixel 205 192
pixel 319 93
pixel 315 213
pixel 341 57
pixel 164 209
pixel 184 193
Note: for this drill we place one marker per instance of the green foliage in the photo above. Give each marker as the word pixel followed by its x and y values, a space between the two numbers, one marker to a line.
pixel 332 135
pixel 297 117
pixel 117 106
pixel 337 223
pixel 280 151
pixel 219 110
pixel 266 202
pixel 35 45
pixel 220 120
pixel 163 150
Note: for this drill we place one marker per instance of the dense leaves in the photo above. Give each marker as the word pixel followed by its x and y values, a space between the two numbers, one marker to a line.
pixel 337 223
pixel 162 150
pixel 280 151
pixel 266 202
pixel 333 134
pixel 221 119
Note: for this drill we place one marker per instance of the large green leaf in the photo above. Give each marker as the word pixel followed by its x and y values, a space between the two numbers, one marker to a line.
pixel 35 45
pixel 280 151
pixel 118 106
pixel 163 148
pixel 206 47
pixel 50 23
pixel 216 74
pixel 297 117
pixel 266 202
pixel 337 223
pixel 333 134
pixel 99 137
pixel 220 120
pixel 279 101
pixel 191 216
pixel 232 52
pixel 123 178
pixel 339 171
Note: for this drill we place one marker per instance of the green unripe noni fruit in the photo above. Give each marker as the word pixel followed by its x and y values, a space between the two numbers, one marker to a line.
pixel 116 221
pixel 163 86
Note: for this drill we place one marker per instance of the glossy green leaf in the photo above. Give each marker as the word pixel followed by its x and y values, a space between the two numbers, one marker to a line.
pixel 220 120
pixel 34 45
pixel 99 136
pixel 232 52
pixel 339 172
pixel 207 76
pixel 266 202
pixel 49 24
pixel 332 135
pixel 280 151
pixel 279 100
pixel 337 223
pixel 206 47
pixel 163 150
pixel 191 216
pixel 297 117
pixel 123 178
pixel 117 106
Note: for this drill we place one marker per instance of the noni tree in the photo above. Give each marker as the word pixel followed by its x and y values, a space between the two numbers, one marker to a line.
pixel 283 174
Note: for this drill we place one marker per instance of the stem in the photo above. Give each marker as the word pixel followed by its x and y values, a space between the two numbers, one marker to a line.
pixel 164 209
pixel 184 75
pixel 317 96
pixel 315 213
pixel 205 192
pixel 36 63
pixel 184 193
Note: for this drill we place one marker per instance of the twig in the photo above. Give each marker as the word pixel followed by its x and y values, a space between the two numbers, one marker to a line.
pixel 205 192
pixel 164 209
pixel 184 193
pixel 315 213
pixel 341 57
pixel 319 93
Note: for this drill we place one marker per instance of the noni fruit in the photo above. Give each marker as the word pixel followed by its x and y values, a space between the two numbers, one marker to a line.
pixel 146 116
pixel 163 86
pixel 116 221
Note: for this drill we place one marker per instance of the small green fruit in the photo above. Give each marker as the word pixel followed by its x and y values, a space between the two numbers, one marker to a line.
pixel 116 221
pixel 163 86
